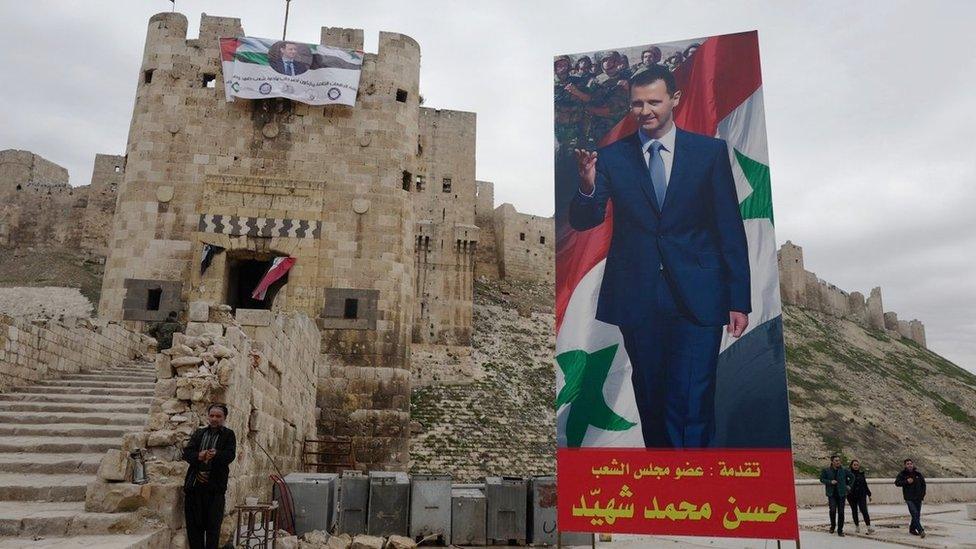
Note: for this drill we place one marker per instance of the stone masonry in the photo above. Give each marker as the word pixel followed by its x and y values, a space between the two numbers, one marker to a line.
pixel 801 287
pixel 264 366
pixel 39 208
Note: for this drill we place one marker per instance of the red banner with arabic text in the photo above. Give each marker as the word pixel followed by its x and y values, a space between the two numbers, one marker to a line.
pixel 726 493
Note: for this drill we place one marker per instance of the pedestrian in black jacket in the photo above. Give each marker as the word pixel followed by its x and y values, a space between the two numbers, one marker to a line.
pixel 913 489
pixel 209 452
pixel 858 496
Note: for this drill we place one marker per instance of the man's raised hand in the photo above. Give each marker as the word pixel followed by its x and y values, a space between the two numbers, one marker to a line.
pixel 586 164
pixel 737 323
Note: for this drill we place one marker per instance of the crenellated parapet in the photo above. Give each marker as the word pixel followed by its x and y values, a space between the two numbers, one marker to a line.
pixel 805 289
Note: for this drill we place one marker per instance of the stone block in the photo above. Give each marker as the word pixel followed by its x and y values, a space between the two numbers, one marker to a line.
pixel 204 328
pixel 164 369
pixel 400 542
pixel 114 497
pixel 254 317
pixel 163 438
pixel 185 361
pixel 366 542
pixel 115 466
pixel 340 541
pixel 287 542
pixel 199 311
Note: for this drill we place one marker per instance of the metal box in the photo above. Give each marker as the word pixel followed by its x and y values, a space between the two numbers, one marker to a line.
pixel 507 500
pixel 468 513
pixel 542 515
pixel 430 506
pixel 312 499
pixel 389 504
pixel 352 497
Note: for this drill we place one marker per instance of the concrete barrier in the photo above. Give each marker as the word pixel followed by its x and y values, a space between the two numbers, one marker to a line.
pixel 883 490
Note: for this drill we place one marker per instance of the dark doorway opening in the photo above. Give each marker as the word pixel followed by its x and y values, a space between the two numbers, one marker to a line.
pixel 243 276
pixel 351 309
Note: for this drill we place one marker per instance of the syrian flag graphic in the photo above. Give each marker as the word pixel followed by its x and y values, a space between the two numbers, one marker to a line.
pixel 278 268
pixel 597 417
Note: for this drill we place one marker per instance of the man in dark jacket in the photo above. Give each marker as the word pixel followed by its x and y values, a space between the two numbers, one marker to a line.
pixel 913 489
pixel 209 452
pixel 858 496
pixel 837 481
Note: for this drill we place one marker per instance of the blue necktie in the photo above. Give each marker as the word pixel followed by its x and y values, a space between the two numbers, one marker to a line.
pixel 290 67
pixel 659 178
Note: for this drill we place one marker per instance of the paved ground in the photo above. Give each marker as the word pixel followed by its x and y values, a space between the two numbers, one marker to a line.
pixel 946 525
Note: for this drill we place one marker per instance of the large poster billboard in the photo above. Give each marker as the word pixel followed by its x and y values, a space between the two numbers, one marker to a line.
pixel 672 412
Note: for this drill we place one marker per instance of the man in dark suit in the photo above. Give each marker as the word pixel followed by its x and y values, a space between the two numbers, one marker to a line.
pixel 287 62
pixel 209 452
pixel 678 268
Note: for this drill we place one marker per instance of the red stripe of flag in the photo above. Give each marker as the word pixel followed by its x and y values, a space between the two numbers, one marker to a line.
pixel 278 269
pixel 228 47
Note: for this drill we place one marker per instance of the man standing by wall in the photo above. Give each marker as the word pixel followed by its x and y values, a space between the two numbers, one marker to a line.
pixel 913 489
pixel 837 481
pixel 209 452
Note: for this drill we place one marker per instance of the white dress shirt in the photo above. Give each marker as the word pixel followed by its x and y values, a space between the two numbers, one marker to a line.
pixel 667 153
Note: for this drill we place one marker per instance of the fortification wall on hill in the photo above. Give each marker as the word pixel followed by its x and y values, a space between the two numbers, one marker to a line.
pixel 804 288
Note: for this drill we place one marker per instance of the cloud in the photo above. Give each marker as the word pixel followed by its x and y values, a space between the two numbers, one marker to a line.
pixel 869 112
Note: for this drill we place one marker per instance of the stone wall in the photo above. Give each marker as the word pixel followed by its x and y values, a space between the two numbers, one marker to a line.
pixel 32 350
pixel 525 245
pixel 39 208
pixel 486 257
pixel 264 366
pixel 446 237
pixel 801 287
pixel 22 167
pixel 107 176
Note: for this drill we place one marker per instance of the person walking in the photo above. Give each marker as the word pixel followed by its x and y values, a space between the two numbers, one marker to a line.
pixel 913 489
pixel 209 452
pixel 837 481
pixel 858 496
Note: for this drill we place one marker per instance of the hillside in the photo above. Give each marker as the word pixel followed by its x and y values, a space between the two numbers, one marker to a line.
pixel 857 392
pixel 52 267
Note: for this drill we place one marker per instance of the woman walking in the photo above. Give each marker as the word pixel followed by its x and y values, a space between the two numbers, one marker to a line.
pixel 858 496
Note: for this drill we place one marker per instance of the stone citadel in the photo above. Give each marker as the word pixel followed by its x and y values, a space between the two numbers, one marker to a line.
pixel 378 203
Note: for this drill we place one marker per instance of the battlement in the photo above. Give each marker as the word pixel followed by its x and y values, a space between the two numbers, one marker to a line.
pixel 803 288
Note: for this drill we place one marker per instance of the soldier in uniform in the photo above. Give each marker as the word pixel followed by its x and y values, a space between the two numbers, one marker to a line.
pixel 610 100
pixel 163 331
pixel 583 68
pixel 650 56
pixel 571 94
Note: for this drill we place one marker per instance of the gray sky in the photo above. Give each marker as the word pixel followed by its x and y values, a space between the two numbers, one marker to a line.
pixel 869 104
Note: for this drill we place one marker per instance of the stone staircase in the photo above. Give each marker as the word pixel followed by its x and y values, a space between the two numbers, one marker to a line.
pixel 53 435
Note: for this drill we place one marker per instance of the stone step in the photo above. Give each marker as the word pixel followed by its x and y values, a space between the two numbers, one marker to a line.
pixel 152 540
pixel 140 400
pixel 41 487
pixel 111 429
pixel 118 419
pixel 125 384
pixel 109 377
pixel 47 519
pixel 88 391
pixel 16 406
pixel 150 371
pixel 22 462
pixel 57 445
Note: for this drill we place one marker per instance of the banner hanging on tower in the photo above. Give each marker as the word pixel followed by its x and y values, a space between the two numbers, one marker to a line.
pixel 672 411
pixel 257 68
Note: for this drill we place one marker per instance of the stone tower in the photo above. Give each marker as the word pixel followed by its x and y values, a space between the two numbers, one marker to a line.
pixel 375 202
pixel 792 276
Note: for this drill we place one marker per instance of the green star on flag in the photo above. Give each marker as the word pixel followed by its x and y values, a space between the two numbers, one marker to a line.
pixel 585 374
pixel 759 204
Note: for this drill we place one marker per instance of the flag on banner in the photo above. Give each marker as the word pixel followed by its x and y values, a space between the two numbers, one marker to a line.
pixel 209 251
pixel 256 68
pixel 278 268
